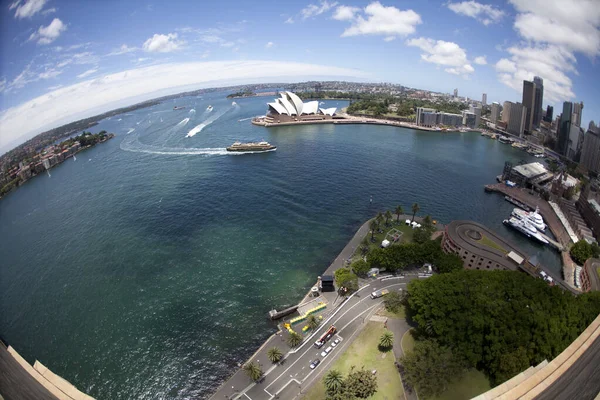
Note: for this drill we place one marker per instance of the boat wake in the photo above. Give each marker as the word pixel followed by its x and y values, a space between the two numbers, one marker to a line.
pixel 198 128
pixel 129 131
pixel 192 111
pixel 245 119
pixel 181 123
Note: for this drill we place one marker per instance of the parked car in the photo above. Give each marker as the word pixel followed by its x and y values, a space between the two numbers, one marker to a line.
pixel 313 364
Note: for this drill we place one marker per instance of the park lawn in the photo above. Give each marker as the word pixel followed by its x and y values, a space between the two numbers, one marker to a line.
pixel 407 236
pixel 490 243
pixel 364 352
pixel 400 314
pixel 408 341
pixel 472 384
pixel 598 271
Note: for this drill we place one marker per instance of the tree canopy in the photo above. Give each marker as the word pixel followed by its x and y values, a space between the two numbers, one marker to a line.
pixel 344 277
pixel 582 250
pixel 398 257
pixel 499 321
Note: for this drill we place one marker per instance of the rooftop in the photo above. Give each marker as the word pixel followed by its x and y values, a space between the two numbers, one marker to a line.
pixel 531 170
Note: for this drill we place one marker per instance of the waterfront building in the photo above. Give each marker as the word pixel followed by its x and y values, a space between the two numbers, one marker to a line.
pixel 420 118
pixel 576 139
pixel 577 111
pixel 588 207
pixel 289 107
pixel 590 151
pixel 449 119
pixel 477 112
pixel 464 238
pixel 564 129
pixel 495 113
pixel 469 119
pixel 484 99
pixel 529 103
pixel 527 175
pixel 549 114
pixel 514 115
pixel 539 99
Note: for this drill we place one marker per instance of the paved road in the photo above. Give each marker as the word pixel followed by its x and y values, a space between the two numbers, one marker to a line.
pixel 295 375
pixel 581 381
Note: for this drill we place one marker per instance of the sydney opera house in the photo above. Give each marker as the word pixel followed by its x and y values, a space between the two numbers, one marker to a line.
pixel 289 107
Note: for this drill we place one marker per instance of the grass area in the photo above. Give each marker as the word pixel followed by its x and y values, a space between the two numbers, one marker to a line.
pixel 490 243
pixel 407 235
pixel 400 314
pixel 472 384
pixel 408 341
pixel 598 271
pixel 364 352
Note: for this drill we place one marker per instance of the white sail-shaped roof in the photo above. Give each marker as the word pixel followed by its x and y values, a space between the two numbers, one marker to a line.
pixel 288 105
pixel 310 108
pixel 297 102
pixel 278 107
pixel 328 111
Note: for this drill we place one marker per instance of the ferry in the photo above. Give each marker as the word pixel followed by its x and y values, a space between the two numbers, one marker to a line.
pixel 260 146
pixel 209 108
pixel 534 218
pixel 525 228
pixel 504 139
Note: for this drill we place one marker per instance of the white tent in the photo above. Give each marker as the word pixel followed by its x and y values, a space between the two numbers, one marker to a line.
pixel 407 222
pixel 385 243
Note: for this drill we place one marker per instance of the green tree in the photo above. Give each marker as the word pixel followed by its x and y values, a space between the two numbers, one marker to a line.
pixel 581 251
pixel 430 368
pixel 253 370
pixel 364 246
pixel 294 339
pixel 360 267
pixel 379 219
pixel 446 263
pixel 360 383
pixel 415 210
pixel 275 355
pixel 386 341
pixel 334 382
pixel 399 211
pixel 345 278
pixel 373 228
pixel 421 235
pixel 393 301
pixel 312 322
pixel 388 217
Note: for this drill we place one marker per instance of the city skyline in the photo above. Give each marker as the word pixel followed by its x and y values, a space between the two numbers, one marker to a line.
pixel 69 61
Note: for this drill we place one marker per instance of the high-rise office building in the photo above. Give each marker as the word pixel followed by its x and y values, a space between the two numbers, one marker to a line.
pixel 549 114
pixel 564 128
pixel 577 111
pixel 590 153
pixel 529 103
pixel 539 99
pixel 477 112
pixel 455 93
pixel 484 99
pixel 514 115
pixel 495 114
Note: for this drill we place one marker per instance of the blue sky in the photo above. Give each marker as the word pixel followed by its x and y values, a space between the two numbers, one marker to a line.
pixel 62 60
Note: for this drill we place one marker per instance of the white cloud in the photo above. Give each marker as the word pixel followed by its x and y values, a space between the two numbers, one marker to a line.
pixel 381 20
pixel 269 45
pixel 2 85
pixel 504 65
pixel 48 34
pixel 313 10
pixel 345 13
pixel 124 49
pixel 104 93
pixel 28 8
pixel 481 60
pixel 163 43
pixel 29 75
pixel 88 73
pixel 484 13
pixel 49 11
pixel 86 57
pixel 389 38
pixel 49 73
pixel 444 53
pixel 290 20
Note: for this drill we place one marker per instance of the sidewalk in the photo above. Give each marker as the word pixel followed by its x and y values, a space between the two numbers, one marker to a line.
pixel 399 327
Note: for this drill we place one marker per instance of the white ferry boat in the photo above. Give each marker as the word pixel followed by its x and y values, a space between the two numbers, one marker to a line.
pixel 534 218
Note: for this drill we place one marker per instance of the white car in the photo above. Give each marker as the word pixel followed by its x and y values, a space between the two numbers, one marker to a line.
pixel 335 342
pixel 328 350
pixel 323 353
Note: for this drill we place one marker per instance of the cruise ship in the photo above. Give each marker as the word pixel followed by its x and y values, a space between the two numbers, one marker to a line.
pixel 525 228
pixel 260 146
pixel 534 218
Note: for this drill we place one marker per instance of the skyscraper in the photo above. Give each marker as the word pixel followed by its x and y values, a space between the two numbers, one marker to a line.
pixel 455 93
pixel 529 103
pixel 514 114
pixel 495 114
pixel 577 111
pixel 564 128
pixel 590 153
pixel 539 99
pixel 549 114
pixel 484 99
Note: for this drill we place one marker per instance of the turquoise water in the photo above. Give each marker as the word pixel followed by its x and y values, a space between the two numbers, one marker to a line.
pixel 145 268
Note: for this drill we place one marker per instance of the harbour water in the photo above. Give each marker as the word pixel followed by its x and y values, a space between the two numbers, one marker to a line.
pixel 145 268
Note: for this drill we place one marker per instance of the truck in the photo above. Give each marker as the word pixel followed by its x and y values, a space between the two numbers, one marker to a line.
pixel 378 293
pixel 326 336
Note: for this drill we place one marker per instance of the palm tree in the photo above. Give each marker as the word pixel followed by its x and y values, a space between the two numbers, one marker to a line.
pixel 364 246
pixel 333 381
pixel 388 216
pixel 415 209
pixel 399 211
pixel 373 227
pixel 312 322
pixel 274 354
pixel 379 219
pixel 253 370
pixel 386 341
pixel 294 339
